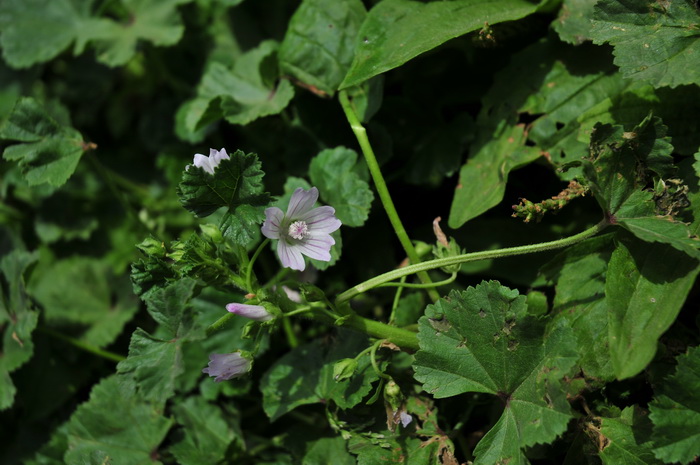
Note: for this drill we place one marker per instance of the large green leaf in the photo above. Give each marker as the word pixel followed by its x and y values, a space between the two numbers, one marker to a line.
pixel 334 172
pixel 645 287
pixel 83 291
pixel 155 361
pixel 320 42
pixel 17 320
pixel 116 425
pixel 574 22
pixel 305 376
pixel 579 276
pixel 675 412
pixel 657 42
pixel 241 94
pixel 47 151
pixel 484 340
pixel 235 184
pixel 396 31
pixel 29 38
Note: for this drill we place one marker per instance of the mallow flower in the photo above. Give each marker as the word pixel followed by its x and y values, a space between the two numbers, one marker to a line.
pixel 254 312
pixel 227 366
pixel 302 230
pixel 209 163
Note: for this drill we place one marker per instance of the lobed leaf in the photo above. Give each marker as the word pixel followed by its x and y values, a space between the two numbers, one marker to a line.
pixel 658 42
pixel 334 173
pixel 47 151
pixel 484 340
pixel 318 46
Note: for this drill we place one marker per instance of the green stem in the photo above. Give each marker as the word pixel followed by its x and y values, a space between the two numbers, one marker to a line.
pixel 395 303
pixel 373 359
pixel 382 190
pixel 83 345
pixel 219 324
pixel 401 337
pixel 292 339
pixel 420 286
pixel 249 270
pixel 470 257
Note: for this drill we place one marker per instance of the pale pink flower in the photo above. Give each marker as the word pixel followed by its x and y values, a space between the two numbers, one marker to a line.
pixel 254 312
pixel 227 366
pixel 302 230
pixel 209 163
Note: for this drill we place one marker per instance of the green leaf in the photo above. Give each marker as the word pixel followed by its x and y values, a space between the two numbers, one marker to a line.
pixel 328 450
pixel 116 424
pixel 482 180
pixel 83 291
pixel 408 451
pixel 646 286
pixel 17 320
pixel 207 436
pixel 241 94
pixel 235 184
pixel 156 361
pixel 622 162
pixel 47 151
pixel 655 42
pixel 29 38
pixel 484 340
pixel 305 376
pixel 334 173
pixel 574 22
pixel 320 42
pixel 396 31
pixel 579 276
pixel 675 412
pixel 627 439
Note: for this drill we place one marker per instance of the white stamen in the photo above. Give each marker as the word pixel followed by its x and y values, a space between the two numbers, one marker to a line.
pixel 298 230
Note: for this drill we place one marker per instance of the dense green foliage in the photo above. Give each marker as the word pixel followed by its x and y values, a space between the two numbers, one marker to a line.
pixel 554 322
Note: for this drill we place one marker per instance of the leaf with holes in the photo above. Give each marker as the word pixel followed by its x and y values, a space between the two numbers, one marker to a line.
pixel 483 340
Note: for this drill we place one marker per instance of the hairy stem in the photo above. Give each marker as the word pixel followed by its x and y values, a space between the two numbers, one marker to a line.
pixel 470 257
pixel 383 191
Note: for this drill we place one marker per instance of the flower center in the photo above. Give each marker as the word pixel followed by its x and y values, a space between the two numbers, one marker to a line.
pixel 298 230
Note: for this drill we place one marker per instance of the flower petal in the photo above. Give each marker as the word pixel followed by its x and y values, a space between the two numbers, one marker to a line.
pixel 317 248
pixel 202 161
pixel 301 202
pixel 254 312
pixel 290 256
pixel 273 220
pixel 321 220
pixel 227 366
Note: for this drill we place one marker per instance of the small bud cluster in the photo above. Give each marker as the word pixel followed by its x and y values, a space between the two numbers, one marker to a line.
pixel 529 210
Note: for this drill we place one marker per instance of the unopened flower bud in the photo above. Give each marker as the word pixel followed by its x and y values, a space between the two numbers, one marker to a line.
pixel 344 369
pixel 254 312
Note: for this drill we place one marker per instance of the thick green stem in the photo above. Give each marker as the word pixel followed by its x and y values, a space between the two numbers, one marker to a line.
pixel 382 190
pixel 470 257
pixel 401 337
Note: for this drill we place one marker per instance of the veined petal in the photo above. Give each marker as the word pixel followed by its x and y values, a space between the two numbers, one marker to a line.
pixel 202 161
pixel 290 256
pixel 254 312
pixel 321 220
pixel 317 248
pixel 217 155
pixel 227 366
pixel 301 202
pixel 273 220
